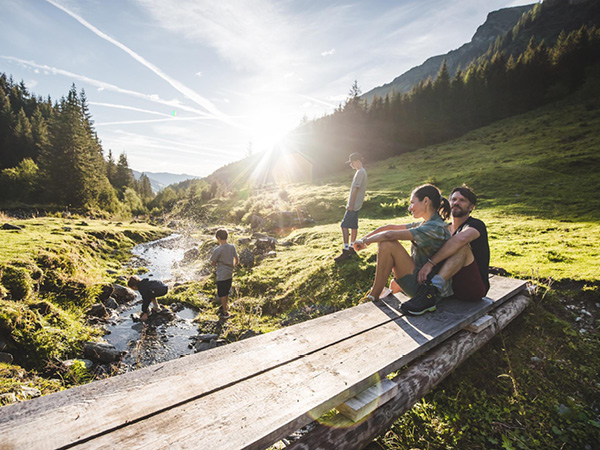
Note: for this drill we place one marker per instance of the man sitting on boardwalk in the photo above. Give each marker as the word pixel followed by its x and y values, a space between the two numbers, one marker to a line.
pixel 464 258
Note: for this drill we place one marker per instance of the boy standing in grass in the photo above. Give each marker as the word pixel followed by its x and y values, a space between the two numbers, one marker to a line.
pixel 149 290
pixel 355 200
pixel 225 258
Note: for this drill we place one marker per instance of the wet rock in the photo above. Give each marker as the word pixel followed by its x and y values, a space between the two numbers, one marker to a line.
pixel 202 346
pixel 191 255
pixel 246 258
pixel 248 334
pixel 256 222
pixel 97 310
pixel 6 358
pixel 123 294
pixel 266 244
pixel 243 241
pixel 67 229
pixel 71 362
pixel 271 254
pixel 286 243
pixel 83 223
pixel 110 303
pixel 106 290
pixel 8 398
pixel 207 337
pixel 27 392
pixel 535 359
pixel 10 226
pixel 103 353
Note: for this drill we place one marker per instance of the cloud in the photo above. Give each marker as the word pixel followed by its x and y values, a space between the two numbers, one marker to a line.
pixel 328 52
pixel 253 36
pixel 198 74
pixel 189 93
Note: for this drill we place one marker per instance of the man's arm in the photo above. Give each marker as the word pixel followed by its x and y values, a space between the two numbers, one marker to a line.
pixel 450 247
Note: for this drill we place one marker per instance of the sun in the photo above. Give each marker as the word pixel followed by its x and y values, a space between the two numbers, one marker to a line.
pixel 269 125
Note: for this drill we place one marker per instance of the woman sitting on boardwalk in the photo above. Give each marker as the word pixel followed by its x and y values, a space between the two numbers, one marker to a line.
pixel 427 203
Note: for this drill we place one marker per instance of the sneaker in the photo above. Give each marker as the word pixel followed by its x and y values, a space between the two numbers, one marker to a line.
pixel 425 300
pixel 367 298
pixel 343 256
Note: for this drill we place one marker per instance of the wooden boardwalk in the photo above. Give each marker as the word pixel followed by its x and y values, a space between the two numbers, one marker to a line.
pixel 248 394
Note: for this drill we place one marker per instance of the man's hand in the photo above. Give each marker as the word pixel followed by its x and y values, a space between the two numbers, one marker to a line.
pixel 424 272
pixel 359 245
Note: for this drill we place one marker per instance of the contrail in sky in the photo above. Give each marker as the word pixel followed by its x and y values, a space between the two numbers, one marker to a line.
pixel 189 93
pixel 108 86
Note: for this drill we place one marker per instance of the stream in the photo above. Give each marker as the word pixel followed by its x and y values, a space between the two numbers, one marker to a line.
pixel 147 345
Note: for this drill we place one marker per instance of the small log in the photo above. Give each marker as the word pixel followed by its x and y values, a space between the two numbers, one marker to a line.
pixel 413 383
pixel 365 402
pixel 480 324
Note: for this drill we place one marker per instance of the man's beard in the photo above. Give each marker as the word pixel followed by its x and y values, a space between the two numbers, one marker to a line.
pixel 458 212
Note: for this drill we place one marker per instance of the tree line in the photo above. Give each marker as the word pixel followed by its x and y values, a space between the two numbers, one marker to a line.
pixel 495 86
pixel 50 154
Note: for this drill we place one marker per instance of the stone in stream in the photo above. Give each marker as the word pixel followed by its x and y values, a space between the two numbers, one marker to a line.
pixel 110 303
pixel 97 310
pixel 123 294
pixel 106 290
pixel 104 353
pixel 6 358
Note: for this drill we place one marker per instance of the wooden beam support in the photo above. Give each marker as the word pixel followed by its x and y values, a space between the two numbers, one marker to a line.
pixel 415 382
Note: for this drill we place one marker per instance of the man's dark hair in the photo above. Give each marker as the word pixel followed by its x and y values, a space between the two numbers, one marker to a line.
pixel 466 192
pixel 221 234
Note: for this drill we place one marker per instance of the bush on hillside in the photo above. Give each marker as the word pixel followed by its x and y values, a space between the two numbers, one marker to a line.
pixel 17 281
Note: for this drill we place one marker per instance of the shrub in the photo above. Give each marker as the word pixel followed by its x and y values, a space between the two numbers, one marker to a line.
pixel 17 281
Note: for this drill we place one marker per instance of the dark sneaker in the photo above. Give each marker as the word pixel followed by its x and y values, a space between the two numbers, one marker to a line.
pixel 425 300
pixel 343 256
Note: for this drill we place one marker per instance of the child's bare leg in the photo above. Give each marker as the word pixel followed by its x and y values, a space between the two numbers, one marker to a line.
pixel 224 304
pixel 155 304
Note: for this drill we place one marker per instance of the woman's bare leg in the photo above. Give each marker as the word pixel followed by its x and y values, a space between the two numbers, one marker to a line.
pixel 391 256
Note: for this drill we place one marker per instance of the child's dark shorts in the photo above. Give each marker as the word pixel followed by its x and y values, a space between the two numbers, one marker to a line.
pixel 350 220
pixel 223 287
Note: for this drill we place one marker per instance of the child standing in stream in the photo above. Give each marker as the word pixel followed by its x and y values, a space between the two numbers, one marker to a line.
pixel 149 290
pixel 225 258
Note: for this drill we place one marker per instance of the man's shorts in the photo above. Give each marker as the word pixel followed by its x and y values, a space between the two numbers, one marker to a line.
pixel 467 283
pixel 350 220
pixel 223 287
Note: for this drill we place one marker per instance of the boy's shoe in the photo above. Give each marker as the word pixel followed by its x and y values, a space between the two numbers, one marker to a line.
pixel 342 256
pixel 224 315
pixel 425 300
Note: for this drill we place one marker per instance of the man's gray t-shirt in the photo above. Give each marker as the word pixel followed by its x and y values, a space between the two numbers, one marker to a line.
pixel 224 255
pixel 360 181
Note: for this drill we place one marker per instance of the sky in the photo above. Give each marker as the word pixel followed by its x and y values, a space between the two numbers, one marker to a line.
pixel 187 86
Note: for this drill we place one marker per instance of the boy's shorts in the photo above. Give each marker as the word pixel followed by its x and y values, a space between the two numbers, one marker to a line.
pixel 350 220
pixel 223 287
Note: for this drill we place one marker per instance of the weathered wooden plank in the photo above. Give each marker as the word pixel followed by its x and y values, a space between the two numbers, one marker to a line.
pixel 368 400
pixel 260 411
pixel 480 324
pixel 102 405
pixel 416 381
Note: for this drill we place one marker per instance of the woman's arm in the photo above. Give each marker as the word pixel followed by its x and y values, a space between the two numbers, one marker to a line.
pixel 398 233
pixel 386 228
